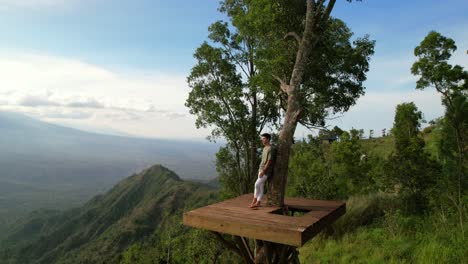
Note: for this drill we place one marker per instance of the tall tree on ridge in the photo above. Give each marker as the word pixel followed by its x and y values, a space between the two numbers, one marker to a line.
pixel 317 74
pixel 451 82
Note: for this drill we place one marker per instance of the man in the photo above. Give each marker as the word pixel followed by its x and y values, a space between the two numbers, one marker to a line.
pixel 264 171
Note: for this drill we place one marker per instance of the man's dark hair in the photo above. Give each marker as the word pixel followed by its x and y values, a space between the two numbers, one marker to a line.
pixel 268 136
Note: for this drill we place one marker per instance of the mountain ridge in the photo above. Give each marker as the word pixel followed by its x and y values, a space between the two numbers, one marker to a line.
pixel 107 224
pixel 55 167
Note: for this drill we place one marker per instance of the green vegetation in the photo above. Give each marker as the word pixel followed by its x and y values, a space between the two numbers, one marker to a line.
pixel 18 200
pixel 139 220
pixel 238 83
pixel 140 212
pixel 397 210
pixel 374 232
pixel 406 192
pixel 53 167
pixel 451 81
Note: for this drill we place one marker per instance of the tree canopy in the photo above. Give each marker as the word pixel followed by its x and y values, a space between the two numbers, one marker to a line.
pixel 236 83
pixel 275 64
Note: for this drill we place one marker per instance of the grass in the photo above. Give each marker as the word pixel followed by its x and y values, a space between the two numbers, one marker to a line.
pixel 385 235
pixel 380 147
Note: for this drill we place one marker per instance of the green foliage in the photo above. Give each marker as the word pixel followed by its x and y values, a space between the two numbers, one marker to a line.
pixel 374 230
pixel 308 171
pixel 406 125
pixel 335 69
pixel 377 227
pixel 378 245
pixel 410 224
pixel 381 227
pixel 364 210
pixel 322 171
pixel 231 181
pixel 235 88
pixel 135 210
pixel 409 170
pixel 397 187
pixel 175 243
pixel 347 165
pixel 226 96
pixel 452 83
pixel 433 68
pixel 454 136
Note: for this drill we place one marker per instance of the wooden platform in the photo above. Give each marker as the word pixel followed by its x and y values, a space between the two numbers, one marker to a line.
pixel 236 218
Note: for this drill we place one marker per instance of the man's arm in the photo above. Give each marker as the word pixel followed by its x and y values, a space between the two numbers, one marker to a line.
pixel 265 168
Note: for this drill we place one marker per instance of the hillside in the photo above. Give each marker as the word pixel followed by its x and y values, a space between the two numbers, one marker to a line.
pixel 381 146
pixel 48 166
pixel 104 227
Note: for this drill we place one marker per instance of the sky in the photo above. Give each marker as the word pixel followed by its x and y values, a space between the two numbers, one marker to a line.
pixel 120 66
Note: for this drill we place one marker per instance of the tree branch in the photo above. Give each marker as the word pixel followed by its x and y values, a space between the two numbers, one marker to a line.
pixel 307 43
pixel 328 10
pixel 228 53
pixel 310 126
pixel 283 85
pixel 262 124
pixel 320 5
pixel 228 108
pixel 294 35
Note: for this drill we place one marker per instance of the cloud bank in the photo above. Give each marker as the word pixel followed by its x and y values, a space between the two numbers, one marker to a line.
pixel 69 91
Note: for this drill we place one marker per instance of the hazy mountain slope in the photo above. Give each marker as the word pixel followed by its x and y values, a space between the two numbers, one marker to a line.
pixel 104 227
pixel 48 166
pixel 46 151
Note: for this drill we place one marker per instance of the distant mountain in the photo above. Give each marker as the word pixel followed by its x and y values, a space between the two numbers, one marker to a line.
pixel 107 225
pixel 44 165
pixel 50 153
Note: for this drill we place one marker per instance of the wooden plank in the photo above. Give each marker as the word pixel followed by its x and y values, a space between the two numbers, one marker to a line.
pixel 278 221
pixel 326 220
pixel 257 216
pixel 243 202
pixel 232 226
pixel 247 210
pixel 234 217
pixel 310 205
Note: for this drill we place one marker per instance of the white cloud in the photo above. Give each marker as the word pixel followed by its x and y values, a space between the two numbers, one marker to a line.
pixel 390 83
pixel 376 110
pixel 66 114
pixel 151 104
pixel 65 90
pixel 391 72
pixel 34 100
pixel 85 103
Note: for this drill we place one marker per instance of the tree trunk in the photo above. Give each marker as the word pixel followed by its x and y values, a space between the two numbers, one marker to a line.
pixel 316 15
pixel 285 141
